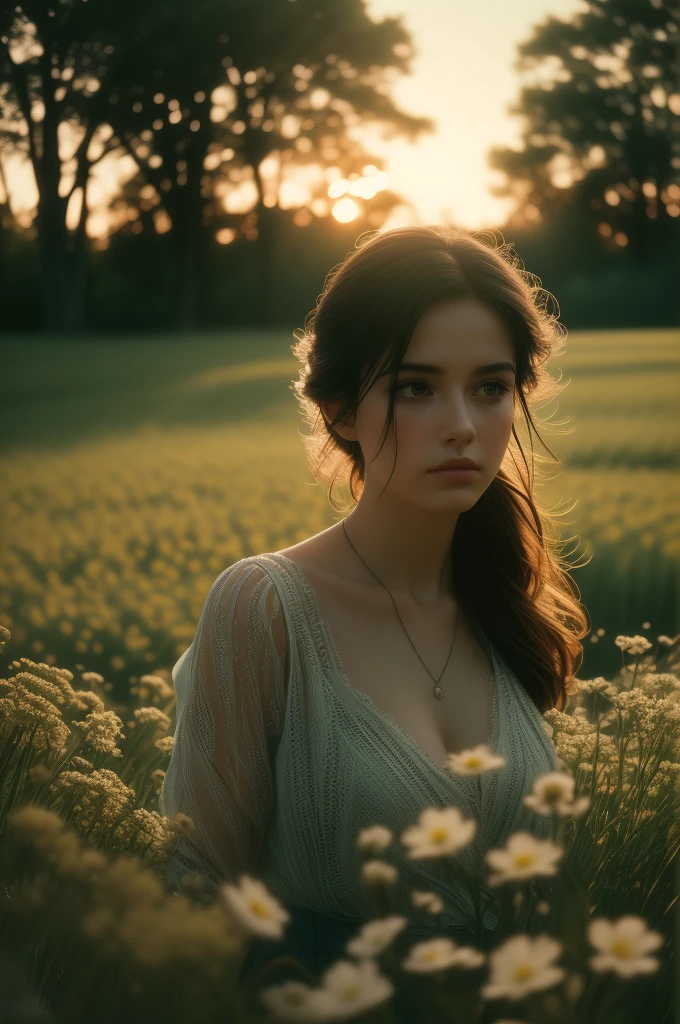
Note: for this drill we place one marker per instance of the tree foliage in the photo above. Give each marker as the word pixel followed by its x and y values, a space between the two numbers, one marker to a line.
pixel 601 124
pixel 199 95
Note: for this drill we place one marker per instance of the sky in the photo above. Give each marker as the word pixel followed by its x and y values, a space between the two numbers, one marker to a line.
pixel 463 78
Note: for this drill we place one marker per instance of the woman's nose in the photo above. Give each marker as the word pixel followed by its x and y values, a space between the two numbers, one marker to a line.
pixel 456 420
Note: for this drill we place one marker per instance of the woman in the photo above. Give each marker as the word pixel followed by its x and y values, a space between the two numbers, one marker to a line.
pixel 327 682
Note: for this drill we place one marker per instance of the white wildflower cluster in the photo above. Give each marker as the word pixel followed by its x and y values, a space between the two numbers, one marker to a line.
pixel 152 716
pixel 575 738
pixel 165 744
pixel 145 834
pixel 153 687
pixel 92 678
pixel 33 701
pixel 101 730
pixel 597 685
pixel 95 802
pixel 633 644
pixel 660 684
pixel 88 700
pixel 638 710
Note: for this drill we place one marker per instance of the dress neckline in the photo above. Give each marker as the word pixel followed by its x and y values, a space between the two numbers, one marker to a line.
pixel 367 700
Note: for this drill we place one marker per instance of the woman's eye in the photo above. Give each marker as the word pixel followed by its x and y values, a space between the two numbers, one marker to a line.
pixel 503 388
pixel 411 384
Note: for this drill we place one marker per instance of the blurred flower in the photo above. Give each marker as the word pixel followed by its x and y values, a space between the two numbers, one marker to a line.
pixel 439 831
pixel 474 761
pixel 633 644
pixel 293 1000
pixel 376 838
pixel 376 871
pixel 439 954
pixel 623 945
pixel 255 907
pixel 427 901
pixel 165 743
pixel 156 685
pixel 597 685
pixel 183 824
pixel 553 793
pixel 154 716
pixel 88 700
pixel 375 936
pixel 522 965
pixel 523 856
pixel 352 988
pixel 92 678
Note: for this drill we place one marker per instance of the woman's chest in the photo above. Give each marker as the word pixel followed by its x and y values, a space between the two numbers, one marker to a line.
pixel 382 659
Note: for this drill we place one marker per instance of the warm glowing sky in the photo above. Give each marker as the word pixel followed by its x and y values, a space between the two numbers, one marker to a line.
pixel 462 77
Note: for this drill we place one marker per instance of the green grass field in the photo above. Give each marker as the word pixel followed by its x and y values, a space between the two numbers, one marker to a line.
pixel 135 469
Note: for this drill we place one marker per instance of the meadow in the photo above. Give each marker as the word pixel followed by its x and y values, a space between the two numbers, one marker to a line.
pixel 133 472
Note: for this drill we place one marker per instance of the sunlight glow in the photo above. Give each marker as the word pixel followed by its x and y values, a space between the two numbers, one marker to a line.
pixel 345 210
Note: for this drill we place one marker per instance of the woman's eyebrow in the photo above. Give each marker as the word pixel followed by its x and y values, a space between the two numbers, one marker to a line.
pixel 438 371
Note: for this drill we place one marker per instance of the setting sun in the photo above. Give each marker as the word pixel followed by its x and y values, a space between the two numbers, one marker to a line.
pixel 345 210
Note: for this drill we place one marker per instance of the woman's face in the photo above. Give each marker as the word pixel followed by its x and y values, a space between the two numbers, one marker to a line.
pixel 458 410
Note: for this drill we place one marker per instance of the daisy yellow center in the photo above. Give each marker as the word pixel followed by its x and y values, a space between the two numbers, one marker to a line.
pixel 553 793
pixel 523 972
pixel 350 992
pixel 294 998
pixel 473 762
pixel 431 955
pixel 438 835
pixel 259 908
pixel 524 860
pixel 622 948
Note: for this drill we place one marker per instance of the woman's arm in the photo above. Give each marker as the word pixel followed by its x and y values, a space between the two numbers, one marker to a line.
pixel 231 691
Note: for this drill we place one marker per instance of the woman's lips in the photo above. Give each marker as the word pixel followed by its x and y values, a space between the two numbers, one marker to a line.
pixel 455 476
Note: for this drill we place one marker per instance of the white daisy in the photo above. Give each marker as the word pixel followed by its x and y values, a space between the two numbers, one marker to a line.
pixel 428 901
pixel 376 838
pixel 522 965
pixel 293 1000
pixel 375 936
pixel 349 988
pixel 438 832
pixel 375 871
pixel 523 856
pixel 255 907
pixel 439 954
pixel 474 761
pixel 623 945
pixel 553 793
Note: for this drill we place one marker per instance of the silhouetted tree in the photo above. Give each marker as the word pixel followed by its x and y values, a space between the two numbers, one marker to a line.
pixel 222 86
pixel 601 106
pixel 55 64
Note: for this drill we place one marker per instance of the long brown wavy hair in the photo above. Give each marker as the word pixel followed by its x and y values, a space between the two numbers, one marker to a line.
pixel 509 570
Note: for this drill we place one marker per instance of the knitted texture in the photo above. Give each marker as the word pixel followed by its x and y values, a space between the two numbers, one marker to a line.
pixel 280 761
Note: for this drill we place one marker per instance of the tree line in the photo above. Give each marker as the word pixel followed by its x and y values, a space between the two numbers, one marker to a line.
pixel 205 100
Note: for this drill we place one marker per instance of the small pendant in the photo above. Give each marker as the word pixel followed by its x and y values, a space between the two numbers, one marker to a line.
pixel 438 692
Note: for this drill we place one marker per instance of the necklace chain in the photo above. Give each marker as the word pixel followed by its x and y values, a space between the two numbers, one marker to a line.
pixel 438 692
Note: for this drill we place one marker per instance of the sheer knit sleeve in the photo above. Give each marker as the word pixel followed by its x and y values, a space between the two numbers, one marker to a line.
pixel 231 696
